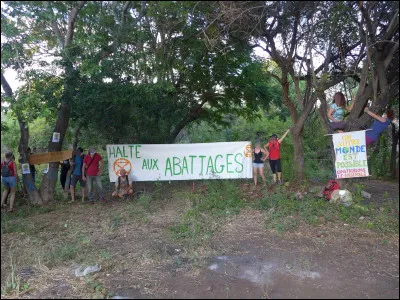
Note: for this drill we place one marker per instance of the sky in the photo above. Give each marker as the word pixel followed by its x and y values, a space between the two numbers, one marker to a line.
pixel 11 77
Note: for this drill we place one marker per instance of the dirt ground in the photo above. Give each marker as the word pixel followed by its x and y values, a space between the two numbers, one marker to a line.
pixel 241 260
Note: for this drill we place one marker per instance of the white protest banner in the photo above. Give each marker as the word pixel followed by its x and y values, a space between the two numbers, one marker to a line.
pixel 181 161
pixel 350 154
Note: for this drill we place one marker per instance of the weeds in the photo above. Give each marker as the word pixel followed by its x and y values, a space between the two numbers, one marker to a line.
pixel 115 222
pixel 285 213
pixel 221 200
pixel 13 282
pixel 145 201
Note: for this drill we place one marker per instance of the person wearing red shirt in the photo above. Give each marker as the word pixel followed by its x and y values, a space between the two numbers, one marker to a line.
pixel 91 172
pixel 273 148
pixel 9 177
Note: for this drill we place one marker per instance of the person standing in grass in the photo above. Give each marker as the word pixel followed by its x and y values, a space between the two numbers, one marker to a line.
pixel 9 178
pixel 93 167
pixel 76 166
pixel 273 148
pixel 258 162
pixel 32 170
pixel 63 174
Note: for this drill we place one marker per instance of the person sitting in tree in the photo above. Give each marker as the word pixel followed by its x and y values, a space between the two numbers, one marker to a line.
pixel 380 124
pixel 336 112
pixel 123 186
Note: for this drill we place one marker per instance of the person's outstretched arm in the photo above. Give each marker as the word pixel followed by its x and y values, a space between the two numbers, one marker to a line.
pixel 281 139
pixel 375 116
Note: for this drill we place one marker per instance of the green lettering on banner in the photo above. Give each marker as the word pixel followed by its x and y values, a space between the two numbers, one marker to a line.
pixel 210 165
pixel 215 164
pixel 176 164
pixel 239 163
pixel 154 164
pixel 202 159
pixel 144 164
pixel 123 150
pixel 120 152
pixel 112 152
pixel 131 148
pixel 184 165
pixel 137 151
pixel 168 167
pixel 351 164
pixel 228 163
pixel 191 163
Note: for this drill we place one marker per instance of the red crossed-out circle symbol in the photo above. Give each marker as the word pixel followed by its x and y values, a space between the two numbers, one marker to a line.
pixel 122 163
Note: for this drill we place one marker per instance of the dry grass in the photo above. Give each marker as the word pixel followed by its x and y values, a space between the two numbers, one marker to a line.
pixel 132 242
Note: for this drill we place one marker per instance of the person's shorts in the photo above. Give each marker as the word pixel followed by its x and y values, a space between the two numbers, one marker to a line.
pixel 75 179
pixel 338 125
pixel 9 182
pixel 275 165
pixel 258 165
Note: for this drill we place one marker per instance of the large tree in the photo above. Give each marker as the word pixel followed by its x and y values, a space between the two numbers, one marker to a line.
pixel 321 44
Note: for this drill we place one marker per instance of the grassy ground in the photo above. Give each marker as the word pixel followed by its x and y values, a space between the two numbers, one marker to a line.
pixel 61 235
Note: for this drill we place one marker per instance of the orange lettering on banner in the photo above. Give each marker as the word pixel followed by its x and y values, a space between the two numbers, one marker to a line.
pixel 40 158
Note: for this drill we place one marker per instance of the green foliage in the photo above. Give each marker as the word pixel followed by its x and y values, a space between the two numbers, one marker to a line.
pixel 379 156
pixel 318 159
pixel 123 71
pixel 10 137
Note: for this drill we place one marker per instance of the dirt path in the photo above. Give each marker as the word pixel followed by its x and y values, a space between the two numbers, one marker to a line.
pixel 242 260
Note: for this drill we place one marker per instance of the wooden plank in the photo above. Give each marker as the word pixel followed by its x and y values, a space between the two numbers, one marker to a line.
pixel 40 158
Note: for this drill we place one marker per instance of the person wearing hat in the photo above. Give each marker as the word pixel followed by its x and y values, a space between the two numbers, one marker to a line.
pixel 274 155
pixel 93 167
pixel 9 178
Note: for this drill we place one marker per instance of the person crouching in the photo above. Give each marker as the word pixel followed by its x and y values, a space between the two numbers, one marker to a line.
pixel 123 186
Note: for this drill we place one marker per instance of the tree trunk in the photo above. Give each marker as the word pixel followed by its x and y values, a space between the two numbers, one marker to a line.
pixel 49 181
pixel 76 138
pixel 22 147
pixel 298 158
pixel 27 179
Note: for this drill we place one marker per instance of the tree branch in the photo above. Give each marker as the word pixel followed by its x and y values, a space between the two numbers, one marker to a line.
pixel 6 87
pixel 71 22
